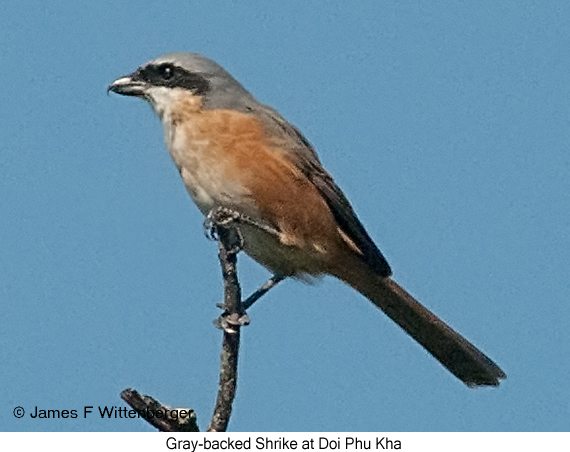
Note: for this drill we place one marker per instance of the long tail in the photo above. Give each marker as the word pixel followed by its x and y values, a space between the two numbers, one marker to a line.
pixel 451 349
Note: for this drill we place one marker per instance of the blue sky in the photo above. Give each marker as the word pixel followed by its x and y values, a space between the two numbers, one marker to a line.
pixel 445 123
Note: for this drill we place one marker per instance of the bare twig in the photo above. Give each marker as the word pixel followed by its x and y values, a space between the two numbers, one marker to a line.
pixel 269 284
pixel 184 420
pixel 232 319
pixel 161 416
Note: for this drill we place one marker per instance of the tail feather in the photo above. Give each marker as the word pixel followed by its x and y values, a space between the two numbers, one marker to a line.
pixel 451 349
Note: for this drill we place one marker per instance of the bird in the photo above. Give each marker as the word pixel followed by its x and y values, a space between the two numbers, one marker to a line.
pixel 236 154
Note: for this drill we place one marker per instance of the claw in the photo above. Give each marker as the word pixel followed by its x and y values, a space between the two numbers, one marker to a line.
pixel 209 228
pixel 221 217
pixel 224 217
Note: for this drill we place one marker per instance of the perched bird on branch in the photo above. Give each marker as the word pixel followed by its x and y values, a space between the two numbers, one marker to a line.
pixel 242 158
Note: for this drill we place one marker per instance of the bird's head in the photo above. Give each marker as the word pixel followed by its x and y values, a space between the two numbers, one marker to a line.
pixel 184 76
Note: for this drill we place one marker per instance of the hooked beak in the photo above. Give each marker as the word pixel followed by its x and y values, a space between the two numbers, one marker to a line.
pixel 129 85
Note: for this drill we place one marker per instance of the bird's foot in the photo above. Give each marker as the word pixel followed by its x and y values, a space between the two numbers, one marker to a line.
pixel 223 218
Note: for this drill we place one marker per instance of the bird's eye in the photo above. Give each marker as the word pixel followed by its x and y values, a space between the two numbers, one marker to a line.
pixel 166 71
